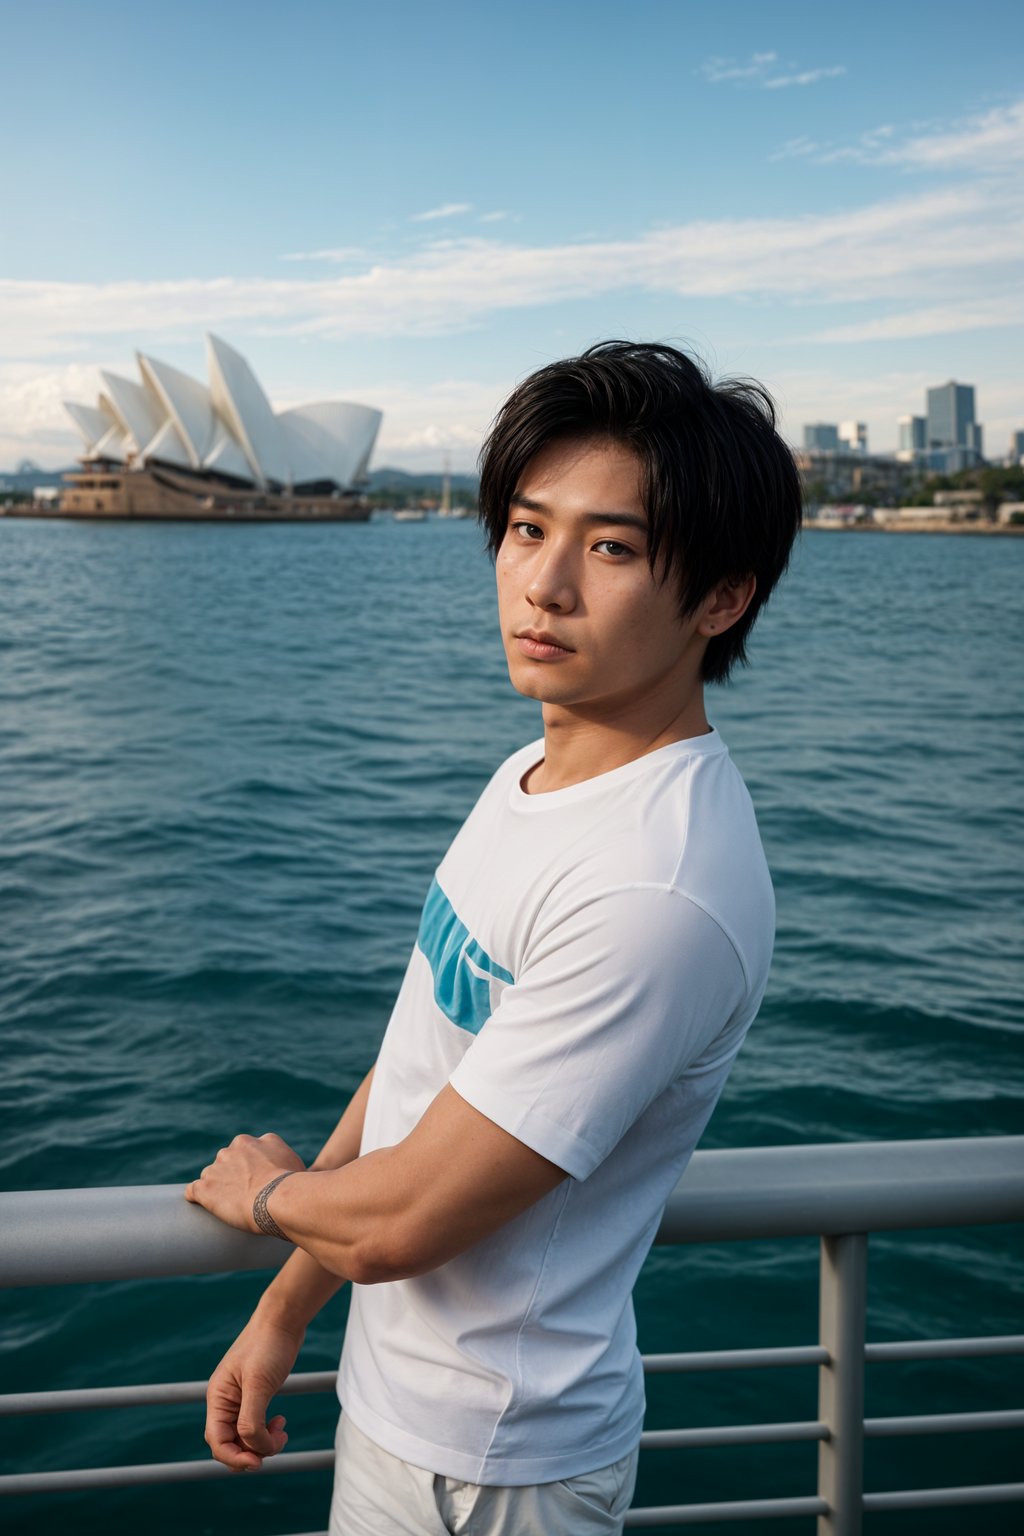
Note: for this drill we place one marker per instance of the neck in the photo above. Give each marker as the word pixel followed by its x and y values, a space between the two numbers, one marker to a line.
pixel 579 746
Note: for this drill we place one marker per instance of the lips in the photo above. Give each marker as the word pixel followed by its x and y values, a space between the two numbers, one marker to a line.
pixel 541 646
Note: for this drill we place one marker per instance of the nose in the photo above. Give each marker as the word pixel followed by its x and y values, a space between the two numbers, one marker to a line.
pixel 552 587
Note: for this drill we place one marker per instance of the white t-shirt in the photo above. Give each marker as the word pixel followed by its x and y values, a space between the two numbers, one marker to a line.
pixel 588 963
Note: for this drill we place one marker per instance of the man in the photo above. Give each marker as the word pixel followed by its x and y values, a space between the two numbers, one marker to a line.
pixel 591 954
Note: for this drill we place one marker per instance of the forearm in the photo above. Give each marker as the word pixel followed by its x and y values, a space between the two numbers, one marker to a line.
pixel 404 1210
pixel 297 1292
pixel 302 1285
pixel 390 1214
pixel 342 1219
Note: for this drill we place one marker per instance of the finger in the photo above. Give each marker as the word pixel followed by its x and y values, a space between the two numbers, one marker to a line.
pixel 254 1433
pixel 223 1398
pixel 225 1446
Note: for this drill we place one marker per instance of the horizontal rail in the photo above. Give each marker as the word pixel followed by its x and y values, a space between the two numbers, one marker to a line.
pixel 735 1359
pixel 55 1237
pixel 165 1393
pixel 731 1434
pixel 733 1509
pixel 945 1423
pixel 162 1393
pixel 946 1349
pixel 79 1478
pixel 944 1498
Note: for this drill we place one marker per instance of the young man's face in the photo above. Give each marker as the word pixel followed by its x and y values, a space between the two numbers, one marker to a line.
pixel 586 625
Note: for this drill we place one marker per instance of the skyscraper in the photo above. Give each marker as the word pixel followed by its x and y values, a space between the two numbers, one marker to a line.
pixel 853 435
pixel 950 414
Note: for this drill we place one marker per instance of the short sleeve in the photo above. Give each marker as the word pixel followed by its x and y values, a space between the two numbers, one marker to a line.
pixel 615 1001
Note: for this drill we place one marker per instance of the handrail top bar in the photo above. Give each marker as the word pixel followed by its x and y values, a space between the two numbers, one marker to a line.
pixel 828 1189
pixel 62 1236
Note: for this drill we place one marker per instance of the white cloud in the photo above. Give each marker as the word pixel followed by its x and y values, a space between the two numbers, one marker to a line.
pixel 716 69
pixel 988 142
pixel 1003 312
pixel 931 246
pixel 983 142
pixel 332 253
pixel 421 425
pixel 497 217
pixel 446 211
pixel 33 423
pixel 803 77
pixel 762 69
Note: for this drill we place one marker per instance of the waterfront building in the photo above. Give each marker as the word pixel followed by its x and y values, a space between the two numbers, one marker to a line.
pixel 169 445
pixel 821 437
pixel 850 476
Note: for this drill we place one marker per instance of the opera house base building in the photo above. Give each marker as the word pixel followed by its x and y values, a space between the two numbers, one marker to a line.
pixel 154 493
pixel 172 447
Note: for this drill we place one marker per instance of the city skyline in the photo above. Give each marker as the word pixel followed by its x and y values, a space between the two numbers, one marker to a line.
pixel 415 209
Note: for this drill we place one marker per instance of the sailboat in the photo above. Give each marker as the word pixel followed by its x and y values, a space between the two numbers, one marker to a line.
pixel 446 509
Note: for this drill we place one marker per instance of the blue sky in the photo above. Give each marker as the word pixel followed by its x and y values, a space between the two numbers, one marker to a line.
pixel 414 205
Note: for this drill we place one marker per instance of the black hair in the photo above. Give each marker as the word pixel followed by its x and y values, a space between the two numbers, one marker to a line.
pixel 719 485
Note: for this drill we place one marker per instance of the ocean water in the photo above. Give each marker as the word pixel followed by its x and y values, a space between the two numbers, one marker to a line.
pixel 230 758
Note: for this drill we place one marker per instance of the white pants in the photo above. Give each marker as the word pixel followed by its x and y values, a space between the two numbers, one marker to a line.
pixel 377 1494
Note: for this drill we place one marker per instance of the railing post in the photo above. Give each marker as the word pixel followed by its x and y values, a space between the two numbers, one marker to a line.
pixel 842 1308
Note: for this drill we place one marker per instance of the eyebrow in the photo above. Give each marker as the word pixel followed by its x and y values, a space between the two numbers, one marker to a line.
pixel 616 519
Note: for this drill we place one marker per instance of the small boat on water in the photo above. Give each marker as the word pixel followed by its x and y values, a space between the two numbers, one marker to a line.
pixel 411 515
pixel 446 509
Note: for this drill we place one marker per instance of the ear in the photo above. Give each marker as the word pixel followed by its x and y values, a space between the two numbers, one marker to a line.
pixel 724 604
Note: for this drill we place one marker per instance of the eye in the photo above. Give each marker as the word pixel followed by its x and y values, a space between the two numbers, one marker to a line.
pixel 613 547
pixel 526 531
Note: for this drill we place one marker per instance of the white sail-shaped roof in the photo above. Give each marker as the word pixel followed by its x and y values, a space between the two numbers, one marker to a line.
pixel 187 403
pixel 166 447
pixel 92 422
pixel 239 401
pixel 226 457
pixel 113 445
pixel 227 429
pixel 137 408
pixel 332 440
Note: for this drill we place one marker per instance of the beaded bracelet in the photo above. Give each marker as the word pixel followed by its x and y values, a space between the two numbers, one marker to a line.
pixel 260 1215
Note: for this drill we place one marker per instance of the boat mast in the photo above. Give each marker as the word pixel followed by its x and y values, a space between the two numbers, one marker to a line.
pixel 446 487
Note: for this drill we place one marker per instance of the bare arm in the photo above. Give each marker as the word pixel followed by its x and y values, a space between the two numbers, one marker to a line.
pixel 399 1211
pixel 240 1389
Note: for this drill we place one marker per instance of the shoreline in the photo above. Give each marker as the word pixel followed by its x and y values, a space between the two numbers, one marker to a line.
pixel 929 525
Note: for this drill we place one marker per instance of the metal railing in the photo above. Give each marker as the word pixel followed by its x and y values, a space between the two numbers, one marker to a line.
pixel 837 1192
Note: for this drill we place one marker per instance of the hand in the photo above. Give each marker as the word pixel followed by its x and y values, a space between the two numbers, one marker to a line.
pixel 231 1183
pixel 237 1430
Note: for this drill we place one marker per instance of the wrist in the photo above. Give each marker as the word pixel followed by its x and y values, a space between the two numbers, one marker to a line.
pixel 276 1309
pixel 262 1220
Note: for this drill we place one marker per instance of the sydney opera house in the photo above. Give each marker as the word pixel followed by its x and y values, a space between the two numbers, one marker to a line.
pixel 170 446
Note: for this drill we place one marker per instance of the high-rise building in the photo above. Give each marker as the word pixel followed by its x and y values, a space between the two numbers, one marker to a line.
pixel 853 435
pixel 913 434
pixel 821 437
pixel 950 413
pixel 1016 447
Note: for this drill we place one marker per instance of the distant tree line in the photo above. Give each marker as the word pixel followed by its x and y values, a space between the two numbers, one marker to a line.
pixel 997 483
